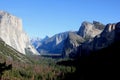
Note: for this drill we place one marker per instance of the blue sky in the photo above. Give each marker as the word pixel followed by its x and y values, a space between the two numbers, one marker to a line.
pixel 48 17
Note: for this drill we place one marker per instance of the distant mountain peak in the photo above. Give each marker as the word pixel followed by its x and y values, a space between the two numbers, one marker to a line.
pixel 89 30
pixel 45 38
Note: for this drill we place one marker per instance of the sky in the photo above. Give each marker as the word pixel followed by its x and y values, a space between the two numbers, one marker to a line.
pixel 49 17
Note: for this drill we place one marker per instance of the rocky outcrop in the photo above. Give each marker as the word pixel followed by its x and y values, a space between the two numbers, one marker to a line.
pixel 85 34
pixel 117 32
pixel 36 42
pixel 98 25
pixel 71 43
pixel 90 30
pixel 109 36
pixel 67 42
pixel 53 45
pixel 12 33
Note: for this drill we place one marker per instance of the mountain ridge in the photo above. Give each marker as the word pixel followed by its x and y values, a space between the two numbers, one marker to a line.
pixel 105 39
pixel 55 43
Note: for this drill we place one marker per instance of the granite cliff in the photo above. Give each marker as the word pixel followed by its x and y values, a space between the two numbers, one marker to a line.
pixel 11 33
pixel 108 37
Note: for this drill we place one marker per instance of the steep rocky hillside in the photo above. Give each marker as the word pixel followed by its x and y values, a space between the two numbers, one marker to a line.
pixel 71 43
pixel 90 30
pixel 109 36
pixel 10 54
pixel 54 44
pixel 86 33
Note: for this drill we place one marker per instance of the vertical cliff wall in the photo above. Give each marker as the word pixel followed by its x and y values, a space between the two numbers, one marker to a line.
pixel 12 33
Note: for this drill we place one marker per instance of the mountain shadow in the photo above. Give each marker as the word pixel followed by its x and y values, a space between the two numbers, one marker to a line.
pixel 4 67
pixel 97 66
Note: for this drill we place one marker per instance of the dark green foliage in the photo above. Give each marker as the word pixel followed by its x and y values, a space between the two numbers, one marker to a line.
pixel 4 67
pixel 97 66
pixel 39 69
pixel 8 52
pixel 28 67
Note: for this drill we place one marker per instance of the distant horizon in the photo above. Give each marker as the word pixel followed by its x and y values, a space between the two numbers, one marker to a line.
pixel 49 17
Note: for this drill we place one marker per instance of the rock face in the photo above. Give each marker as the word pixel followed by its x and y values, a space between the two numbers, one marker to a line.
pixel 98 25
pixel 117 32
pixel 90 30
pixel 53 45
pixel 109 36
pixel 10 54
pixel 67 42
pixel 36 42
pixel 71 43
pixel 12 33
pixel 86 33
